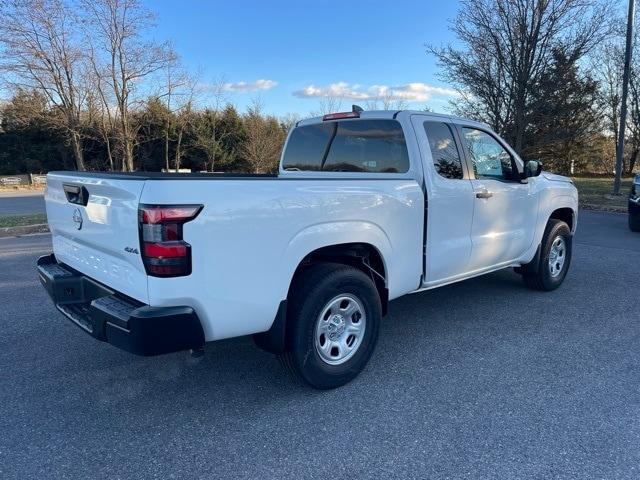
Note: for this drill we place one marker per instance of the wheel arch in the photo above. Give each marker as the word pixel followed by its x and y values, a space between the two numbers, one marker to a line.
pixel 339 242
pixel 562 209
pixel 363 255
pixel 566 214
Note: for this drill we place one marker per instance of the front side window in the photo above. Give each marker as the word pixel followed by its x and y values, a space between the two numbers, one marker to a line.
pixel 370 146
pixel 446 158
pixel 489 158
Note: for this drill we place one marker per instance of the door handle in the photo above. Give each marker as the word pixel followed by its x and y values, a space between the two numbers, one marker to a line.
pixel 484 194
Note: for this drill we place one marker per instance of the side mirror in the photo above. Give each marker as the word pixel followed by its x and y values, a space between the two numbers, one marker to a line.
pixel 532 168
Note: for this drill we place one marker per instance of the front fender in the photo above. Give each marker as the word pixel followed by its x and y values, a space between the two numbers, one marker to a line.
pixel 550 202
pixel 549 205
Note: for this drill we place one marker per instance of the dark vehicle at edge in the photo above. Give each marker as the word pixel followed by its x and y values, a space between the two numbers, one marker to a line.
pixel 634 205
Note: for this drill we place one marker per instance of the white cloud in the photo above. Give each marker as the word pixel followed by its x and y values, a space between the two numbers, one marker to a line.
pixel 410 92
pixel 340 89
pixel 261 84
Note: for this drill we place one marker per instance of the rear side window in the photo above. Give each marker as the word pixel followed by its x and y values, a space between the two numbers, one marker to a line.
pixel 370 146
pixel 444 151
pixel 307 146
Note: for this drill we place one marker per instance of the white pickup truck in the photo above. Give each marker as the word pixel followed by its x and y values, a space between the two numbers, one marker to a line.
pixel 366 207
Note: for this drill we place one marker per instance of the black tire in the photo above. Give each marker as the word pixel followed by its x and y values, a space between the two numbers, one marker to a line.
pixel 634 223
pixel 540 278
pixel 310 294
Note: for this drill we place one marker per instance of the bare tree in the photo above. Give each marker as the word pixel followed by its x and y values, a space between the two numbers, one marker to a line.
pixel 126 60
pixel 264 139
pixel 386 100
pixel 634 120
pixel 105 126
pixel 289 120
pixel 507 44
pixel 42 51
pixel 184 122
pixel 607 65
pixel 208 136
pixel 177 93
pixel 327 104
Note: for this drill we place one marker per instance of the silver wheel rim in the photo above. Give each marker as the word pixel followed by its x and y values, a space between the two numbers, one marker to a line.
pixel 557 256
pixel 340 329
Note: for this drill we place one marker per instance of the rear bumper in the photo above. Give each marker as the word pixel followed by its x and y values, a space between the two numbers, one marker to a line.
pixel 110 317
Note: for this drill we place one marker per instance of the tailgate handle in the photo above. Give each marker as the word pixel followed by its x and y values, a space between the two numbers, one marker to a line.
pixel 76 194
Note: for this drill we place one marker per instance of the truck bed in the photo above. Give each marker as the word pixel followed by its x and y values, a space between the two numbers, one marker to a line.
pixel 245 244
pixel 168 175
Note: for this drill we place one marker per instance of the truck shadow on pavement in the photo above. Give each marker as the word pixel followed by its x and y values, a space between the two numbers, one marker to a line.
pixel 422 331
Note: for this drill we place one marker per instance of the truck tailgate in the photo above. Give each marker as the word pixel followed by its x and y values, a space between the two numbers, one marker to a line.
pixel 94 228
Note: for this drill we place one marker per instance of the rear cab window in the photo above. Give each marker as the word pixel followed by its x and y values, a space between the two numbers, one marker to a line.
pixel 364 145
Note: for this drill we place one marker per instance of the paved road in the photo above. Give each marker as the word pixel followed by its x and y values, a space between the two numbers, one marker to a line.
pixel 483 379
pixel 21 203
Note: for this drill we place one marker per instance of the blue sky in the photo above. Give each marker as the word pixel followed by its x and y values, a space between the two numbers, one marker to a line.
pixel 291 53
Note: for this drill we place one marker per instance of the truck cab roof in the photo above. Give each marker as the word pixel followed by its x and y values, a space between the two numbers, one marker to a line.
pixel 392 114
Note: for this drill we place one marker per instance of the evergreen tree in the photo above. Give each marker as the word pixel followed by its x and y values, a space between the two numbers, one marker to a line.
pixel 27 143
pixel 562 117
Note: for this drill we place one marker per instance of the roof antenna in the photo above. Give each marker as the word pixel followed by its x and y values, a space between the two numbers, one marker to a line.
pixel 357 109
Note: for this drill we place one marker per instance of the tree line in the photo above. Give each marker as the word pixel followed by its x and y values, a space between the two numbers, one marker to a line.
pixel 209 140
pixel 89 90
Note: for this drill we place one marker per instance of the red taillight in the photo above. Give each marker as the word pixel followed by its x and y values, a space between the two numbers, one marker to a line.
pixel 164 252
pixel 339 115
pixel 177 213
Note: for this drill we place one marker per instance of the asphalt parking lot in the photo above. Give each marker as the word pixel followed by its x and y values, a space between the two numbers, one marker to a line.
pixel 481 379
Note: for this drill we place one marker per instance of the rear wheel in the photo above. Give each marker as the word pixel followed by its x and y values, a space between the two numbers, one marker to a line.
pixel 634 223
pixel 334 315
pixel 555 258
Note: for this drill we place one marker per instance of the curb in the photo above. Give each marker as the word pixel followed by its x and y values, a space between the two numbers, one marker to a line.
pixel 601 208
pixel 23 230
pixel 21 190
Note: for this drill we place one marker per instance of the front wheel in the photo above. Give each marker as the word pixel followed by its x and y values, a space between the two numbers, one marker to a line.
pixel 334 315
pixel 634 223
pixel 555 257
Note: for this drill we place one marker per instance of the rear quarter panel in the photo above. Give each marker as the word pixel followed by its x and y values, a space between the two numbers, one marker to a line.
pixel 252 234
